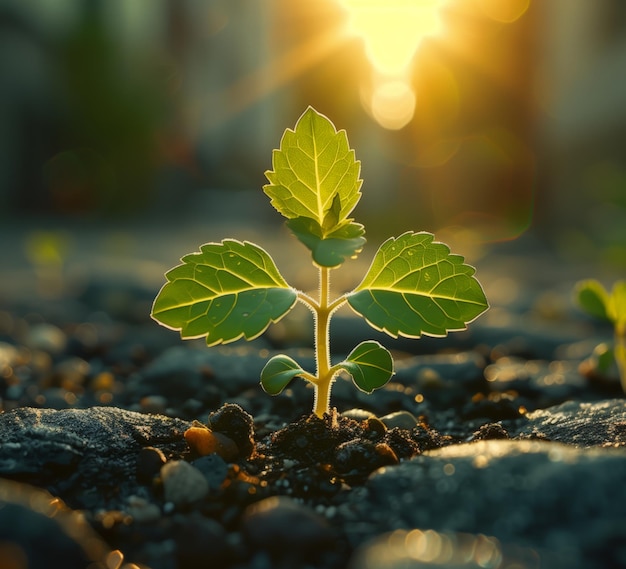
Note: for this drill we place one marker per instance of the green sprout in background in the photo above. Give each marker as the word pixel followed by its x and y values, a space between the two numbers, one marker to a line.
pixel 594 299
pixel 232 290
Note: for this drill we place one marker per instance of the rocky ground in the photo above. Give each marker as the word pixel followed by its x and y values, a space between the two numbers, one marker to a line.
pixel 500 447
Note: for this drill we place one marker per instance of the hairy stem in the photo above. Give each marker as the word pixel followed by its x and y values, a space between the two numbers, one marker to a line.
pixel 322 345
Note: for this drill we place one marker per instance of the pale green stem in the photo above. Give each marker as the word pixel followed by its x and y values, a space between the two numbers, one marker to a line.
pixel 322 346
pixel 322 312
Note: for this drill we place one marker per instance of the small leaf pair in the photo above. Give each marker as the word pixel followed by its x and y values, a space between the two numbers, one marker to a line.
pixel 369 364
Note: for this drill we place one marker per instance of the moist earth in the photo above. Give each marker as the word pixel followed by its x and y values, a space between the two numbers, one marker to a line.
pixel 497 447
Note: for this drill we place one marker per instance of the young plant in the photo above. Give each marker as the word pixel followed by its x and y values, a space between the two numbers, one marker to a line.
pixel 233 289
pixel 594 299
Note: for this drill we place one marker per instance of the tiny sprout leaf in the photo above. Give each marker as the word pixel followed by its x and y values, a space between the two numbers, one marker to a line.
pixel 227 291
pixel 315 175
pixel 593 298
pixel 332 250
pixel 415 286
pixel 278 372
pixel 370 365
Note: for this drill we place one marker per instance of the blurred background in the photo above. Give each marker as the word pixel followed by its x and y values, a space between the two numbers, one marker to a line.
pixel 141 128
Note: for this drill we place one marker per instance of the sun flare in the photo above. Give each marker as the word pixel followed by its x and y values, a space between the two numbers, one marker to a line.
pixel 392 31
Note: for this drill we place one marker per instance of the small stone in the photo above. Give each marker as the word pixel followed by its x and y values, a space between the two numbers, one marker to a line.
pixel 142 511
pixel 358 414
pixel 286 529
pixel 214 468
pixel 400 419
pixel 232 421
pixel 8 355
pixel 46 337
pixel 202 543
pixel 204 441
pixel 183 484
pixel 375 428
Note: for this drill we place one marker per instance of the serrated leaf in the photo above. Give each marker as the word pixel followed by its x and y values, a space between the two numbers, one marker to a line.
pixel 415 286
pixel 332 250
pixel 593 298
pixel 370 365
pixel 227 291
pixel 315 174
pixel 278 373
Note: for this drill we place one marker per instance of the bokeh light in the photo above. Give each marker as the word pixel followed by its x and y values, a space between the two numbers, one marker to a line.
pixel 392 103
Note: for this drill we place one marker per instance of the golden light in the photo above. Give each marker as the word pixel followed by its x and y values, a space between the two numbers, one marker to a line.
pixel 392 31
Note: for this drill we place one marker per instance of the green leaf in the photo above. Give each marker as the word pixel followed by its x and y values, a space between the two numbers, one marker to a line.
pixel 330 251
pixel 593 298
pixel 227 291
pixel 414 286
pixel 278 373
pixel 370 365
pixel 616 309
pixel 315 174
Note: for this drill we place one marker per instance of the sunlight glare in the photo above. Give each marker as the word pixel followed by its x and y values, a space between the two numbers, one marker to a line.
pixel 392 29
pixel 393 104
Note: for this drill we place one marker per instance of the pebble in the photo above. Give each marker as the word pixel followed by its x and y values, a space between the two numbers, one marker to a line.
pixel 400 419
pixel 286 529
pixel 183 484
pixel 203 441
pixel 142 511
pixel 214 468
pixel 238 425
pixel 8 356
pixel 358 414
pixel 201 542
pixel 46 337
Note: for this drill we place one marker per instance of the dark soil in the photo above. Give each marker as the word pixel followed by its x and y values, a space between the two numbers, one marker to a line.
pixel 176 459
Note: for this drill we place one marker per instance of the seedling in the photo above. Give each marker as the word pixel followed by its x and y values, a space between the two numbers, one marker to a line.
pixel 594 299
pixel 232 290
